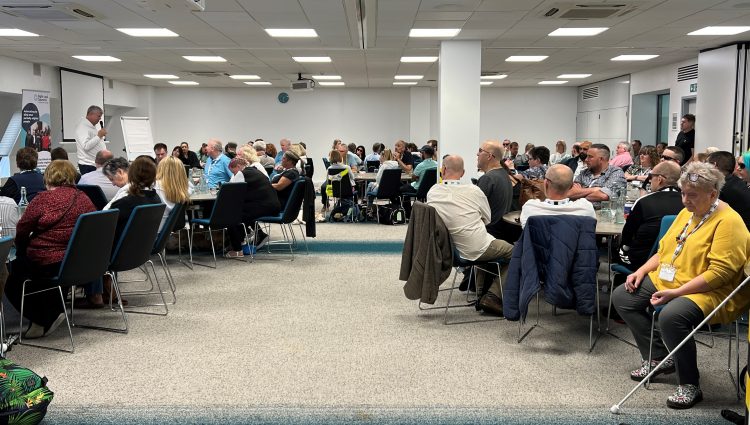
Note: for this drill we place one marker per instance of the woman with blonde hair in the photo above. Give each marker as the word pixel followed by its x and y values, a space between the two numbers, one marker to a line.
pixel 249 154
pixel 172 185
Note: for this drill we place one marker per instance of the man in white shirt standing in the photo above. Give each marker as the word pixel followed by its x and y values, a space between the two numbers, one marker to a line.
pixel 89 140
pixel 465 211
pixel 557 182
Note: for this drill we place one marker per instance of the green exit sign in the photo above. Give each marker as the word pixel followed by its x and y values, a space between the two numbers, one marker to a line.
pixel 694 88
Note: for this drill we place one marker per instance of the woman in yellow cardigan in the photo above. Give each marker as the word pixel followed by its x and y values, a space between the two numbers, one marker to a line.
pixel 699 262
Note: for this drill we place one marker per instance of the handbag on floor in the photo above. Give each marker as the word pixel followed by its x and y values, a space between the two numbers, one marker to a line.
pixel 391 214
pixel 24 395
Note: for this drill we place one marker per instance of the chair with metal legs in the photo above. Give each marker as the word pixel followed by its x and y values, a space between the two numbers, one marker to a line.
pixel 227 212
pixel 161 243
pixel 86 259
pixel 285 219
pixel 388 190
pixel 6 244
pixel 134 249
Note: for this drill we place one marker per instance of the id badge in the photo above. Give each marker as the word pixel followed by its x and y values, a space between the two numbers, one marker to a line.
pixel 667 272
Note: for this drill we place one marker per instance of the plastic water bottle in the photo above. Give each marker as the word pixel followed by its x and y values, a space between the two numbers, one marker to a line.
pixel 203 185
pixel 23 202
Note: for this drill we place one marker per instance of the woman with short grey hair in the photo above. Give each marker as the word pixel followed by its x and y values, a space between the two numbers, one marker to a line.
pixel 698 264
pixel 116 170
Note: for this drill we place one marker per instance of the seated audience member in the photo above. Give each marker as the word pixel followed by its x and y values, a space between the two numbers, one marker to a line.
pixel 672 153
pixel 647 160
pixel 160 152
pixel 42 236
pixel 404 158
pixel 538 158
pixel 599 180
pixel 660 148
pixel 496 185
pixel 622 156
pixel 301 152
pixel 176 152
pixel 260 200
pixel 230 150
pixel 249 154
pixel 236 165
pixel 580 164
pixel 341 169
pixel 116 170
pixel 642 225
pixel 188 157
pixel 284 145
pixel 377 148
pixel 172 185
pixel 386 163
pixel 97 178
pixel 410 189
pixel 522 160
pixel 348 158
pixel 141 177
pixel 699 262
pixel 512 151
pixel 743 165
pixel 560 154
pixel 635 151
pixel 557 183
pixel 58 153
pixel 361 153
pixel 735 192
pixel 216 169
pixel 413 149
pixel 465 211
pixel 28 177
pixel 433 143
pixel 260 150
pixel 284 181
pixel 203 154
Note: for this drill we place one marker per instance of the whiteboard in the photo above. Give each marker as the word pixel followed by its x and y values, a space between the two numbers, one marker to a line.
pixel 136 132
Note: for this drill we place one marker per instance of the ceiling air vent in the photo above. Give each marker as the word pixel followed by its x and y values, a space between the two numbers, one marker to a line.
pixel 49 11
pixel 206 73
pixel 586 11
pixel 590 93
pixel 688 72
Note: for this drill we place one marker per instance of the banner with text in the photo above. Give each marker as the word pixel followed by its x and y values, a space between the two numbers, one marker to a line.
pixel 35 121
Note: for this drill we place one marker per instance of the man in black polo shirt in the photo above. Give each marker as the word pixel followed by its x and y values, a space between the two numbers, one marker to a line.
pixel 686 137
pixel 735 192
pixel 405 159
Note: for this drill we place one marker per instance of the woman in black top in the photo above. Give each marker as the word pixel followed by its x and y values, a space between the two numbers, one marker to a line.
pixel 189 157
pixel 284 182
pixel 260 201
pixel 141 176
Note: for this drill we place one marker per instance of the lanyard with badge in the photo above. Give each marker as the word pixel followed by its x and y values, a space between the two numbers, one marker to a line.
pixel 668 270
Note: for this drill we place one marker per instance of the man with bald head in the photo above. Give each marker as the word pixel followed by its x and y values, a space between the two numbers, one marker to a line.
pixel 97 177
pixel 495 183
pixel 465 211
pixel 643 223
pixel 216 169
pixel 557 182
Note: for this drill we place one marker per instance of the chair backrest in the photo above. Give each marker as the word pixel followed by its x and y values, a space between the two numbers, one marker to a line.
pixel 269 170
pixel 169 226
pixel 87 256
pixel 666 223
pixel 228 206
pixel 294 203
pixel 137 239
pixel 309 167
pixel 6 243
pixel 390 184
pixel 326 162
pixel 95 194
pixel 342 188
pixel 372 166
pixel 428 179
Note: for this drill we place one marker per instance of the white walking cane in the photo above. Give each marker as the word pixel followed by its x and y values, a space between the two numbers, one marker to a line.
pixel 615 409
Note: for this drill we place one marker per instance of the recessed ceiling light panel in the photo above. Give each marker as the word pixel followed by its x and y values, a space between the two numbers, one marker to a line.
pixel 183 83
pixel 331 83
pixel 552 83
pixel 245 77
pixel 15 32
pixel 494 77
pixel 574 76
pixel 720 31
pixel 327 77
pixel 408 77
pixel 98 58
pixel 161 76
pixel 148 32
pixel 205 58
pixel 258 83
pixel 576 32
pixel 404 83
pixel 292 32
pixel 486 83
pixel 311 59
pixel 525 58
pixel 419 59
pixel 634 57
pixel 434 32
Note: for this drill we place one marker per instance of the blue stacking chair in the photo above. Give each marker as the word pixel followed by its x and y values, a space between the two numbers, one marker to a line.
pixel 6 244
pixel 286 218
pixel 227 212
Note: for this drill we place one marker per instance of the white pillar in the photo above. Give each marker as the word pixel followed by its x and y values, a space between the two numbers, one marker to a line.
pixel 458 96
pixel 419 117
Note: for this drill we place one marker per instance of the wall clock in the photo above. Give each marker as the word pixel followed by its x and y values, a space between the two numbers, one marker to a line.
pixel 283 97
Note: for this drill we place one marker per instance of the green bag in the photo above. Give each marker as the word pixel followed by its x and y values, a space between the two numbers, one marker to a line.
pixel 24 395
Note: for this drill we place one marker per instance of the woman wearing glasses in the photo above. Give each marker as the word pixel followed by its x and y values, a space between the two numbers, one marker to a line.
pixel 649 159
pixel 698 263
pixel 743 163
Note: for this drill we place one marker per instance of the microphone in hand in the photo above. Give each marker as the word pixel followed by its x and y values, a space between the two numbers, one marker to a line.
pixel 102 131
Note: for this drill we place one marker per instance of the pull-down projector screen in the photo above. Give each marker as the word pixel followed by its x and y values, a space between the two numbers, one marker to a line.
pixel 78 91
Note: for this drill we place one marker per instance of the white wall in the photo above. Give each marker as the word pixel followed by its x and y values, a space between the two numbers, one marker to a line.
pixel 362 116
pixel 661 79
pixel 604 119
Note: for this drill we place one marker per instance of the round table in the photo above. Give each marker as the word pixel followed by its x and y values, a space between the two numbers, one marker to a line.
pixel 602 228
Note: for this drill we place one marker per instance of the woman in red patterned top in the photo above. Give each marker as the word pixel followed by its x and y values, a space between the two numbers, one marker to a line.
pixel 42 235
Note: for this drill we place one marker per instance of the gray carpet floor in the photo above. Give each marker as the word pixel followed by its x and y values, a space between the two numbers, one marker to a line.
pixel 330 338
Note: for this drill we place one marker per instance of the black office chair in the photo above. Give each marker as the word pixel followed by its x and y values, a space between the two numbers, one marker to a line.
pixel 269 170
pixel 326 162
pixel 6 243
pixel 134 248
pixel 227 212
pixel 286 218
pixel 95 194
pixel 389 191
pixel 86 259
pixel 428 179
pixel 309 168
pixel 343 192
pixel 372 166
pixel 171 224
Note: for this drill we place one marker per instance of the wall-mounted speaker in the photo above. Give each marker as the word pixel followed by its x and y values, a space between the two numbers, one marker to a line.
pixel 37 69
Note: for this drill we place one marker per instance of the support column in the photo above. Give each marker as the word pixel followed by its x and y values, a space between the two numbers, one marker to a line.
pixel 458 96
pixel 419 117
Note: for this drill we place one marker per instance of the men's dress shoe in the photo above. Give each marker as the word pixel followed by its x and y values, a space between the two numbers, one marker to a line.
pixel 491 304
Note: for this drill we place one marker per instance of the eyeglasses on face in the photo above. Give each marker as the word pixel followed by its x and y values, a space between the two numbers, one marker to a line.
pixel 482 150
pixel 741 165
pixel 506 144
pixel 668 158
pixel 693 177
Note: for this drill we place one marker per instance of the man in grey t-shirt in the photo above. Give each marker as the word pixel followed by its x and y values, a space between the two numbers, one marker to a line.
pixel 495 183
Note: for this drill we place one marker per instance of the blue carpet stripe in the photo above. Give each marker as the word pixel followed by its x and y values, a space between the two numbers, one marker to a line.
pixel 356 247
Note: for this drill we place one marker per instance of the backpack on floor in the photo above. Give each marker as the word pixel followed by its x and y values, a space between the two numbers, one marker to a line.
pixel 24 395
pixel 391 214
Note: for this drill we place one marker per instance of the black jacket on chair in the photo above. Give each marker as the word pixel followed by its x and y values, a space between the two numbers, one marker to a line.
pixel 561 253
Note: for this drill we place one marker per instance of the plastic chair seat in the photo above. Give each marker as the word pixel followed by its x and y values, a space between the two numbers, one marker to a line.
pixel 201 221
pixel 619 268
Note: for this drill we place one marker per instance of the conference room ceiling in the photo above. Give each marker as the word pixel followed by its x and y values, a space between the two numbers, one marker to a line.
pixel 367 52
